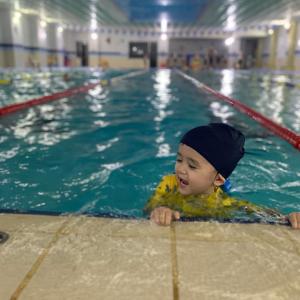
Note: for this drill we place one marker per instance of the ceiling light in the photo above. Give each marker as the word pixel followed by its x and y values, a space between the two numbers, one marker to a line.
pixel 278 22
pixel 43 23
pixel 17 14
pixel 163 25
pixel 94 35
pixel 16 17
pixel 60 29
pixel 270 31
pixel 93 24
pixel 287 25
pixel 163 37
pixel 229 41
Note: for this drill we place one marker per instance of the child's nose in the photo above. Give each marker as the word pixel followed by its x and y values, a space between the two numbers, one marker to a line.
pixel 182 169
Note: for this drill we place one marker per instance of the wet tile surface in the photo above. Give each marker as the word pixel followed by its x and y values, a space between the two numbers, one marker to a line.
pixel 106 259
pixel 29 223
pixel 230 261
pixel 29 235
pixel 101 258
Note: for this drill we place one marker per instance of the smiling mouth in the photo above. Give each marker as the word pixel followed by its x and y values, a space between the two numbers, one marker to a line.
pixel 183 182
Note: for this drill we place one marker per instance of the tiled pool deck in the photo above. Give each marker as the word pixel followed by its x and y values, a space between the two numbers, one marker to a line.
pixel 100 258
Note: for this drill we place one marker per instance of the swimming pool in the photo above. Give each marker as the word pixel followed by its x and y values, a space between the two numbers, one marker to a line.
pixel 105 151
pixel 29 84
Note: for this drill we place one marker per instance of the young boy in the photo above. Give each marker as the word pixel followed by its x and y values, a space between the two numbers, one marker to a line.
pixel 207 155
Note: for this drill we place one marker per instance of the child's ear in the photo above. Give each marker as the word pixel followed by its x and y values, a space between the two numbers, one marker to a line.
pixel 219 180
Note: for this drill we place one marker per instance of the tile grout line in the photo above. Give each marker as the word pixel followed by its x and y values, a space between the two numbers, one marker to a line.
pixel 175 280
pixel 38 262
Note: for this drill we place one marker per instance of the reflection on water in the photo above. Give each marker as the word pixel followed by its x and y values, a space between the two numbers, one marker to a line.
pixel 4 155
pixel 43 124
pixel 161 101
pixel 34 84
pixel 221 111
pixel 271 103
pixel 102 147
pixel 227 82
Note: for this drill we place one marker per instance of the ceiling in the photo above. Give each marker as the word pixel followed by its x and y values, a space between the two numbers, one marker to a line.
pixel 184 11
pixel 228 14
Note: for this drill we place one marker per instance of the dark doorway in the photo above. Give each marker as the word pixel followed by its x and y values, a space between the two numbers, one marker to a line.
pixel 83 53
pixel 153 55
pixel 249 49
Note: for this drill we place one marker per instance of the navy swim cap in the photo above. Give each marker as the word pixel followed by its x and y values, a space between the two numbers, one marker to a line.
pixel 220 144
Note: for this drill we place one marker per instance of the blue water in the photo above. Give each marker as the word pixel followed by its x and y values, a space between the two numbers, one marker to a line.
pixel 33 84
pixel 105 151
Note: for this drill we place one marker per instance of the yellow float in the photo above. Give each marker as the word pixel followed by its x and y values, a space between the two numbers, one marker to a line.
pixel 5 81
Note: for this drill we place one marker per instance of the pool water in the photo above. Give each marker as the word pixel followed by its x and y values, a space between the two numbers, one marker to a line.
pixel 105 151
pixel 33 84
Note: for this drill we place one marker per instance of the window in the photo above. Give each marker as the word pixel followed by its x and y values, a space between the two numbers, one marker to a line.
pixel 137 50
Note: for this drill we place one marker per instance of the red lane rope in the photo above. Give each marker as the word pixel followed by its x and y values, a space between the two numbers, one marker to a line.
pixel 286 134
pixel 56 96
pixel 70 92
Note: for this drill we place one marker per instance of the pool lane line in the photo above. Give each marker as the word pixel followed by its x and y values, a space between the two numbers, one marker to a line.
pixel 288 84
pixel 24 283
pixel 285 133
pixel 37 101
pixel 174 262
pixel 56 96
pixel 129 75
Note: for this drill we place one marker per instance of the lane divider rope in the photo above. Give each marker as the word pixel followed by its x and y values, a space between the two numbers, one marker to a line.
pixel 56 96
pixel 285 133
pixel 41 100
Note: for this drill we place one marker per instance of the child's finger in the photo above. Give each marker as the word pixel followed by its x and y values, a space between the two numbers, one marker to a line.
pixel 168 218
pixel 298 221
pixel 155 216
pixel 297 217
pixel 176 215
pixel 162 217
pixel 293 220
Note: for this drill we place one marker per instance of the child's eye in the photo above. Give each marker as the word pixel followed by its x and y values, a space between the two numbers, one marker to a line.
pixel 192 167
pixel 178 159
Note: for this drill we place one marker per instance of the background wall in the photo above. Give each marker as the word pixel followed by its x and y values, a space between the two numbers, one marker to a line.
pixel 266 51
pixel 282 48
pixel 297 50
pixel 26 42
pixel 6 38
pixel 196 46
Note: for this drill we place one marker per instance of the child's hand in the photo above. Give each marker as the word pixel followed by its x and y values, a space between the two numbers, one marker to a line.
pixel 294 219
pixel 164 215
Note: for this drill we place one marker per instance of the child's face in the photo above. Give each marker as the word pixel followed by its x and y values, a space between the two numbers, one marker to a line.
pixel 194 174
